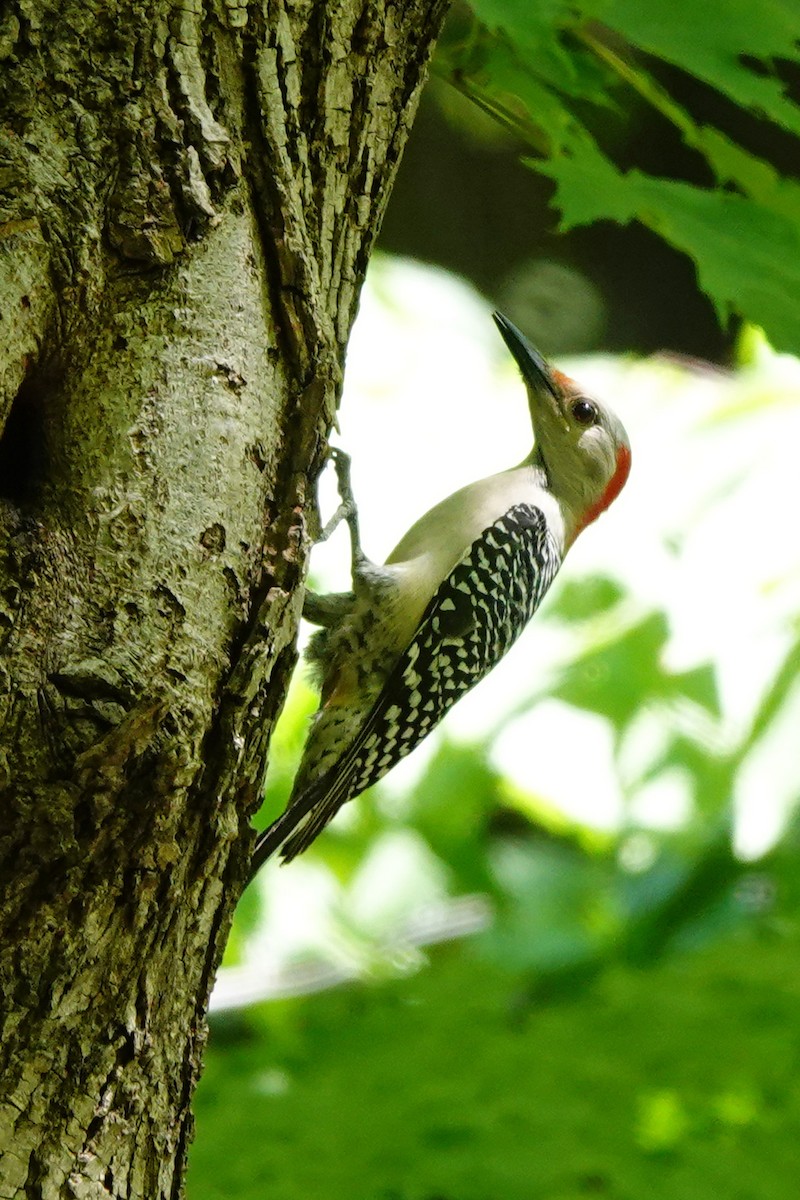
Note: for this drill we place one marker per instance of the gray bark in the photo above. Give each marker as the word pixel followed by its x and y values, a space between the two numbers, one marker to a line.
pixel 188 198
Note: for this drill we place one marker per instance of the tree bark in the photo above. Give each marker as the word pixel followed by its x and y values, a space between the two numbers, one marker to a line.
pixel 188 199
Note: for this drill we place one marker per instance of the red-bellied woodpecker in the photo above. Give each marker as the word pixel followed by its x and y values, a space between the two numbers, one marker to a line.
pixel 416 634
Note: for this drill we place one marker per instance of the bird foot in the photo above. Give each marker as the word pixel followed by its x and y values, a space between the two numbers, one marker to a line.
pixel 347 510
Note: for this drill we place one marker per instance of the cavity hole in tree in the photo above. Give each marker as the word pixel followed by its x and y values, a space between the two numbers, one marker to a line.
pixel 22 444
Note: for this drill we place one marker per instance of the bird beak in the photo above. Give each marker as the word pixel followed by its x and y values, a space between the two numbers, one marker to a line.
pixel 535 370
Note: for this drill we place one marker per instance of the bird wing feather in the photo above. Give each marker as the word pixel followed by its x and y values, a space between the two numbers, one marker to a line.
pixel 473 618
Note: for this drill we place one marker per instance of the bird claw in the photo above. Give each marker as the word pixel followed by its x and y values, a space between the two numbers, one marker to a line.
pixel 347 510
pixel 341 463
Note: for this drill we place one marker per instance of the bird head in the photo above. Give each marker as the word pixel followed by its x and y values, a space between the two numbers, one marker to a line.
pixel 580 444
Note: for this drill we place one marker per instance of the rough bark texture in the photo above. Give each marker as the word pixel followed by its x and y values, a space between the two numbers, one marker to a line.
pixel 188 198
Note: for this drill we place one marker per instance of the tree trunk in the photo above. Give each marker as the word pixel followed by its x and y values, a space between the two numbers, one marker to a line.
pixel 188 198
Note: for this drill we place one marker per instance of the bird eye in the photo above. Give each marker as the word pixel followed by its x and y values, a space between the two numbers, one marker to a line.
pixel 584 412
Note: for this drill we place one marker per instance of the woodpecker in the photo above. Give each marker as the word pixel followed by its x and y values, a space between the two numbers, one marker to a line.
pixel 417 633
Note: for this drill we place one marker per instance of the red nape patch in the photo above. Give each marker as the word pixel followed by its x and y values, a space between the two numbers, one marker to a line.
pixel 615 485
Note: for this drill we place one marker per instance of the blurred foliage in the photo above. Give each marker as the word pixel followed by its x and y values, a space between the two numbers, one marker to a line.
pixel 565 897
pixel 462 1083
pixel 626 1023
pixel 565 77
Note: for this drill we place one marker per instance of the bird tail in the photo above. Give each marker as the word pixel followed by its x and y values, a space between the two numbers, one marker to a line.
pixel 309 812
pixel 269 841
pixel 295 829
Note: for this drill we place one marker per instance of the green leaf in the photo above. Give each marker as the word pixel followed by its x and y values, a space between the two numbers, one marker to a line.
pixel 694 901
pixel 775 697
pixel 534 66
pixel 581 599
pixel 615 679
pixel 559 911
pixel 450 807
pixel 711 40
pixel 747 255
pixel 534 33
pixel 501 83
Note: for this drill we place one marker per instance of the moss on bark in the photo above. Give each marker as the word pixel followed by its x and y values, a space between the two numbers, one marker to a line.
pixel 188 198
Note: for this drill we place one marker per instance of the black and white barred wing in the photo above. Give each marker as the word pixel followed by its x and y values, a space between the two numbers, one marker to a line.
pixel 475 616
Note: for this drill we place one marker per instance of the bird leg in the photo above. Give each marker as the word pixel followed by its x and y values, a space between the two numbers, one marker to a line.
pixel 328 611
pixel 347 510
